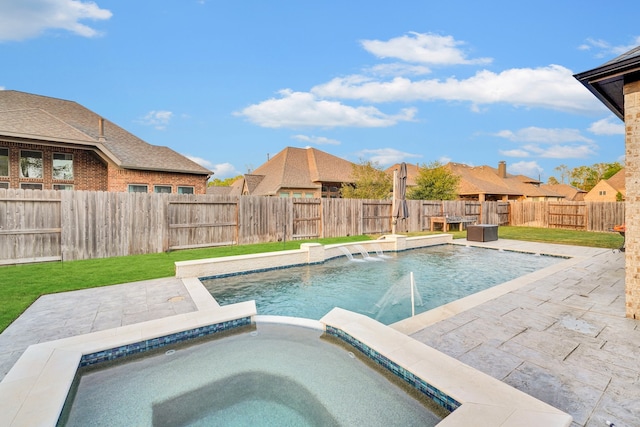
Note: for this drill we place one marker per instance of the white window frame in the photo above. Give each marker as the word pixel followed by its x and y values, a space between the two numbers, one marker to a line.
pixel 157 187
pixel 53 166
pixel 131 187
pixel 41 165
pixel 8 162
pixel 181 189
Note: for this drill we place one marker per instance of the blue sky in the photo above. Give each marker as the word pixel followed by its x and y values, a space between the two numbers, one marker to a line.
pixel 229 83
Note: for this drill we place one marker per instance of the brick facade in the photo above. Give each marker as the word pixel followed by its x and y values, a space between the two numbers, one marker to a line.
pixel 632 171
pixel 91 172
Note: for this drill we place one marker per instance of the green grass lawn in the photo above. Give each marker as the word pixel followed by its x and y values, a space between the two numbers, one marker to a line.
pixel 21 285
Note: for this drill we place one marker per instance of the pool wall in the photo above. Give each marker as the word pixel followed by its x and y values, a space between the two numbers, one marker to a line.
pixel 33 393
pixel 478 399
pixel 309 253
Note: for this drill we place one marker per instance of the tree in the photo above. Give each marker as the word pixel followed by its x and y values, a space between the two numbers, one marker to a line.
pixel 586 177
pixel 434 182
pixel 564 172
pixel 217 182
pixel 370 182
pixel 552 180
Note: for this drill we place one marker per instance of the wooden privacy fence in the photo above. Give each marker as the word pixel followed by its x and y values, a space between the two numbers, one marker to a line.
pixel 588 216
pixel 68 225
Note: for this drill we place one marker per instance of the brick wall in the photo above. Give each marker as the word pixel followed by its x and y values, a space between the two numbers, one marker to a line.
pixel 89 171
pixel 92 173
pixel 632 176
pixel 120 179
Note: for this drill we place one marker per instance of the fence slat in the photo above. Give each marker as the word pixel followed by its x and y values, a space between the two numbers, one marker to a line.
pixel 53 225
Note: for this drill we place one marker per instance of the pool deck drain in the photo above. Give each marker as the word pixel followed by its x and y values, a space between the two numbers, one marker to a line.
pixel 562 338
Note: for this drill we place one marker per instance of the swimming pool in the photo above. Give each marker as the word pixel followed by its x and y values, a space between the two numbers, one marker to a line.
pixel 380 289
pixel 302 377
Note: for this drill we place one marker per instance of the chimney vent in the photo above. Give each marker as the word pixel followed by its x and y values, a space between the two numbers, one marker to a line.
pixel 502 169
pixel 101 137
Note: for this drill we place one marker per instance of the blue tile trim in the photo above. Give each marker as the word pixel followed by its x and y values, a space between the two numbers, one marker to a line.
pixel 154 343
pixel 416 382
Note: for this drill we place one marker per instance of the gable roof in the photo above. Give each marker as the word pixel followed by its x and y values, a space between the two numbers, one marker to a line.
pixel 35 117
pixel 607 81
pixel 618 181
pixel 569 192
pixel 487 180
pixel 303 168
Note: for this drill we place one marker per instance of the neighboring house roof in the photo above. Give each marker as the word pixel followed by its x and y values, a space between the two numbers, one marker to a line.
pixel 488 180
pixel 607 81
pixel 40 118
pixel 218 190
pixel 607 189
pixel 475 180
pixel 569 192
pixel 297 168
pixel 618 182
pixel 412 172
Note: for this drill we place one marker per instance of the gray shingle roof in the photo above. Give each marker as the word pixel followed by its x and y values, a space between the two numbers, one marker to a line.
pixel 37 117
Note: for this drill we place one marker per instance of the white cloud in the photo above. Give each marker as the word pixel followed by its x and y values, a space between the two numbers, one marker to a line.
pixel 544 135
pixel 398 69
pixel 158 119
pixel 199 160
pixel 607 127
pixel 225 170
pixel 318 140
pixel 530 169
pixel 422 48
pixel 602 48
pixel 302 109
pixel 561 151
pixel 548 143
pixel 551 87
pixel 515 153
pixel 387 156
pixel 20 19
pixel 220 170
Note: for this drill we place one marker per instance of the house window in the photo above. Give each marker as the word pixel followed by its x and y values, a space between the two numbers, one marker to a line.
pixel 308 195
pixel 30 186
pixel 4 185
pixel 134 188
pixel 30 164
pixel 297 195
pixel 62 187
pixel 602 192
pixel 4 162
pixel 185 190
pixel 162 189
pixel 284 194
pixel 62 166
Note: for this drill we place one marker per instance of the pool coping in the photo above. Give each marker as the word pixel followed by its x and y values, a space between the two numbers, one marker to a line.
pixel 34 391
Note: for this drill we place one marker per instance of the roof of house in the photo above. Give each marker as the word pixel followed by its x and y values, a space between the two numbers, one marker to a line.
pixel 618 181
pixel 36 117
pixel 412 172
pixel 486 180
pixel 607 81
pixel 569 192
pixel 302 168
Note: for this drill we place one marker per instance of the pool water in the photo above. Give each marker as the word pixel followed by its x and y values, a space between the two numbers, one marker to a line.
pixel 265 374
pixel 380 289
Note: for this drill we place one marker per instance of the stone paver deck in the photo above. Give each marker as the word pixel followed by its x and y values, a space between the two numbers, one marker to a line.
pixel 562 338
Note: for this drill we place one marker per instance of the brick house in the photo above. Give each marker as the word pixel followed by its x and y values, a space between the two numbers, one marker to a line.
pixel 49 143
